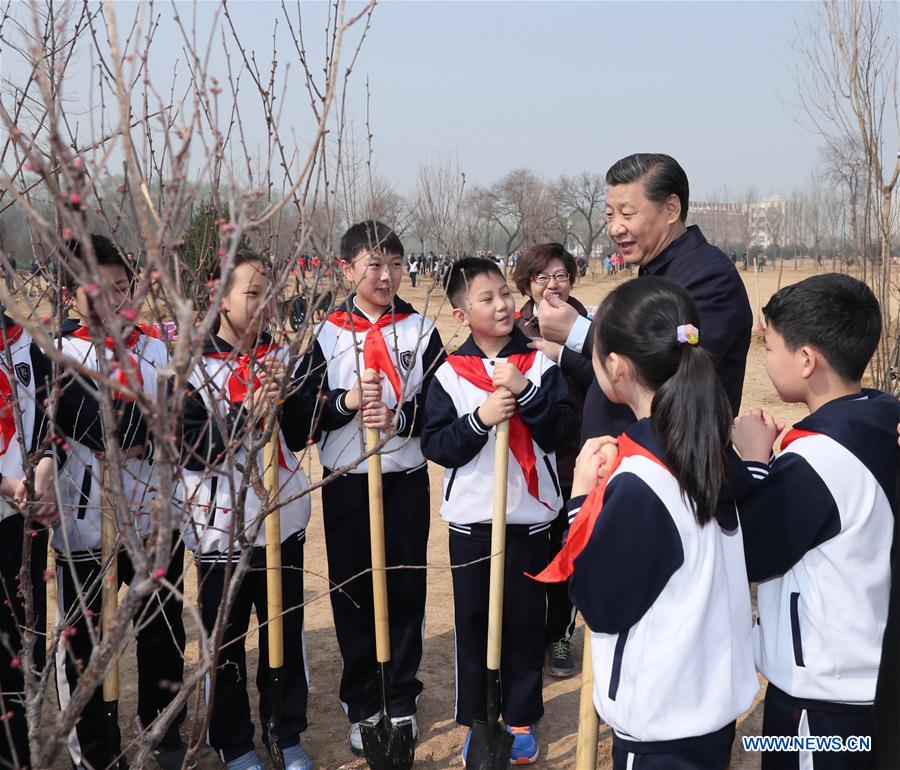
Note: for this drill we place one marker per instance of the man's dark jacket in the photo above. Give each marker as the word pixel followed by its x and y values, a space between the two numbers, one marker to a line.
pixel 726 321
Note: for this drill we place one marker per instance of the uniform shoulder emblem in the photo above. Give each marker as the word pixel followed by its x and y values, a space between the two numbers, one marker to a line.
pixel 23 372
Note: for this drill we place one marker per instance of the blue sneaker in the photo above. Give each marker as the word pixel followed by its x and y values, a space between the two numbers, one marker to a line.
pixel 465 748
pixel 248 761
pixel 524 749
pixel 296 758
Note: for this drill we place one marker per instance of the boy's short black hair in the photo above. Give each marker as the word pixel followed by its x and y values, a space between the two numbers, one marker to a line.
pixel 105 251
pixel 241 257
pixel 370 235
pixel 463 272
pixel 837 315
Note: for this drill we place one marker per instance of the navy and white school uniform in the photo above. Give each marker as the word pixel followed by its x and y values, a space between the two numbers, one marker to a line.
pixel 411 352
pixel 225 517
pixel 818 528
pixel 455 437
pixel 668 607
pixel 77 544
pixel 25 374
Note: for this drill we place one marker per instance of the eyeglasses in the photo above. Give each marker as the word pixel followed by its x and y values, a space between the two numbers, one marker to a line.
pixel 543 279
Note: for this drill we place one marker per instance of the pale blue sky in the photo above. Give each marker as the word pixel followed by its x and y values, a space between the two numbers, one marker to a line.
pixel 556 86
pixel 565 86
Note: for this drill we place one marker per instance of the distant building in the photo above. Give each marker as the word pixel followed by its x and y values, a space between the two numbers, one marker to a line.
pixel 767 222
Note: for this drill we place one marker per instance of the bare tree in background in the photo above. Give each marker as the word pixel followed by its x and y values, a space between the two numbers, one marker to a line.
pixel 584 196
pixel 440 188
pixel 846 80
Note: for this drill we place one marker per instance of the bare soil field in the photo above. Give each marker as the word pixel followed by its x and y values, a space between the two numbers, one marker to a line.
pixel 441 738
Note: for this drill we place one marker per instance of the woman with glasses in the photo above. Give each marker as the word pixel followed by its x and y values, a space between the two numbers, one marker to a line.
pixel 544 269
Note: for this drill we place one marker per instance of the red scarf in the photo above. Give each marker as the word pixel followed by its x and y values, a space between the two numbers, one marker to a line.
pixel 471 369
pixel 83 333
pixel 7 415
pixel 375 349
pixel 793 434
pixel 239 380
pixel 124 378
pixel 582 527
pixel 13 332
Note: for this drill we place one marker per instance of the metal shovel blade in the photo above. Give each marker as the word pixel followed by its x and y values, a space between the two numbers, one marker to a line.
pixel 388 746
pixel 489 747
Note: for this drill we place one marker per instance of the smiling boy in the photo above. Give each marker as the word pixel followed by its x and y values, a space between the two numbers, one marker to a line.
pixel 494 377
pixel 374 329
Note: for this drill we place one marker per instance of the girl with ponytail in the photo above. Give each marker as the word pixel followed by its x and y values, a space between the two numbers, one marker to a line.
pixel 659 574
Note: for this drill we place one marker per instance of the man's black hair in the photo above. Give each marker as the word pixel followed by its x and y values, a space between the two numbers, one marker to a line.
pixel 370 235
pixel 463 272
pixel 837 315
pixel 660 175
pixel 105 252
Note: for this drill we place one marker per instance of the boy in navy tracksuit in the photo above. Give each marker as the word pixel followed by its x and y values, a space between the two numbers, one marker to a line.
pixel 26 375
pixel 231 392
pixel 494 377
pixel 76 538
pixel 374 329
pixel 818 521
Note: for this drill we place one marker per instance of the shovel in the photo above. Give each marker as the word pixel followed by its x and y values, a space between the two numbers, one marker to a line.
pixel 387 746
pixel 274 603
pixel 109 607
pixel 490 742
pixel 588 722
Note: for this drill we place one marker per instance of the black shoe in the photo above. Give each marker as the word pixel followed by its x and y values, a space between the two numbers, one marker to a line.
pixel 559 659
pixel 173 759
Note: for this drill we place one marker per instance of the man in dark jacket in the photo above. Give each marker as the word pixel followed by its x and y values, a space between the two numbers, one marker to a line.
pixel 646 209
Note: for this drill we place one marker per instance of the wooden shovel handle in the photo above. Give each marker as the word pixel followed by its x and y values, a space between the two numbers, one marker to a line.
pixel 274 601
pixel 376 529
pixel 498 547
pixel 588 722
pixel 109 592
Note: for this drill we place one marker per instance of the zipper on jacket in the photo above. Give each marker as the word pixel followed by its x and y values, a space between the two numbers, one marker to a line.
pixel 795 629
pixel 450 484
pixel 85 500
pixel 617 664
pixel 552 474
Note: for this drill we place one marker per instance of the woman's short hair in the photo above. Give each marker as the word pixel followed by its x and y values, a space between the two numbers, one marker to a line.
pixel 535 260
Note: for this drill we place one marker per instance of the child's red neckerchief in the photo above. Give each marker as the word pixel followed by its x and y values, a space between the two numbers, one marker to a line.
pixel 375 349
pixel 239 380
pixel 118 373
pixel 582 526
pixel 471 369
pixel 7 415
pixel 244 365
pixel 83 333
pixel 793 434
pixel 13 332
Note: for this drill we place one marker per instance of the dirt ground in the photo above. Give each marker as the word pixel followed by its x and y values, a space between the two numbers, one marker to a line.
pixel 441 739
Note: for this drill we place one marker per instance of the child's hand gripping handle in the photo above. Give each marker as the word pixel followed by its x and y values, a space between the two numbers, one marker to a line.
pixel 376 529
pixel 498 544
